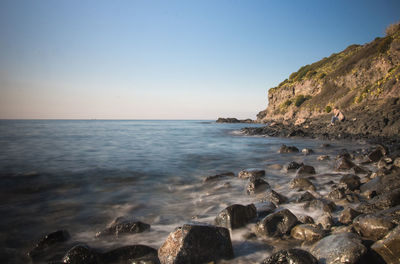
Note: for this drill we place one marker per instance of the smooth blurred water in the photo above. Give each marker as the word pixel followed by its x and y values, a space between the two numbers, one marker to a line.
pixel 81 174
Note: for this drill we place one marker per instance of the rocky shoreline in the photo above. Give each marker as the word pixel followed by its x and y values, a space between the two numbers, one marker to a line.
pixel 359 224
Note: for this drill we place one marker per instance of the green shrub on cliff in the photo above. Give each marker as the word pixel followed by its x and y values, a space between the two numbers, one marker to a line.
pixel 300 99
pixel 328 109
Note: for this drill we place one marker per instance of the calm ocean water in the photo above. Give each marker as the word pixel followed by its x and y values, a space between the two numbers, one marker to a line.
pixel 80 175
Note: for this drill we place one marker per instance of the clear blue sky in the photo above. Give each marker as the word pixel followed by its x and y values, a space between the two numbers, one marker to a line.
pixel 167 59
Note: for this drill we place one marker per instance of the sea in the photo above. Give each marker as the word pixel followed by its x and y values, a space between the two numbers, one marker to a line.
pixel 80 175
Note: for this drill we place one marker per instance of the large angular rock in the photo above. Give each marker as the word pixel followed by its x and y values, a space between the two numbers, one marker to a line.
pixel 220 176
pixel 129 254
pixel 307 232
pixel 47 241
pixel 339 248
pixel 121 225
pixel 389 247
pixel 236 216
pixel 321 204
pixel 302 184
pixel 288 149
pixel 376 154
pixel 252 173
pixel 373 227
pixel 274 197
pixel 350 182
pixel 81 254
pixel 276 224
pixel 256 185
pixel 196 243
pixel 291 256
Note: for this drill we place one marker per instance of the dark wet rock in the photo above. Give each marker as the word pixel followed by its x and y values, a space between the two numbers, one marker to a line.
pixel 149 259
pixel 372 226
pixel 377 154
pixel 305 170
pixel 382 183
pixel 249 236
pixel 350 182
pixel 129 254
pixel 347 215
pixel 196 243
pixel 276 224
pixel 305 197
pixel 321 204
pixel 307 151
pixel 236 216
pixel 342 229
pixel 47 241
pixel 387 200
pixel 352 198
pixel 274 197
pixel 292 256
pixel 389 247
pixel 302 184
pixel 307 232
pixel 343 153
pixel 264 209
pixel 325 221
pixel 326 145
pixel 305 219
pixel 359 170
pixel 218 176
pixel 337 194
pixel 293 166
pixel 323 157
pixel 343 164
pixel 81 254
pixel 121 226
pixel 253 173
pixel 288 149
pixel 339 248
pixel 256 185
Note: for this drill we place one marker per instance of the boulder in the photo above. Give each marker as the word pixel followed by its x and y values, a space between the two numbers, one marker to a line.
pixel 389 247
pixel 274 197
pixel 321 204
pixel 343 164
pixel 293 166
pixel 47 241
pixel 307 232
pixel 325 221
pixel 218 176
pixel 264 209
pixel 81 254
pixel 376 154
pixel 359 170
pixel 337 194
pixel 196 243
pixel 256 185
pixel 121 225
pixel 373 227
pixel 339 248
pixel 382 183
pixel 292 256
pixel 387 200
pixel 307 151
pixel 129 254
pixel 305 197
pixel 350 182
pixel 276 224
pixel 252 173
pixel 347 215
pixel 301 184
pixel 236 216
pixel 288 149
pixel 305 170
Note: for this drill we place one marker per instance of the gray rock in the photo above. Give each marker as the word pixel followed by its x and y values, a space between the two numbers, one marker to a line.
pixel 302 184
pixel 321 204
pixel 256 185
pixel 218 176
pixel 305 219
pixel 343 164
pixel 288 149
pixel 337 194
pixel 274 197
pixel 305 170
pixel 292 256
pixel 252 173
pixel 307 232
pixel 130 254
pixel 121 226
pixel 264 209
pixel 236 216
pixel 347 215
pixel 81 254
pixel 47 241
pixel 325 221
pixel 293 166
pixel 389 247
pixel 372 227
pixel 339 248
pixel 276 224
pixel 196 243
pixel 350 181
pixel 307 151
pixel 305 197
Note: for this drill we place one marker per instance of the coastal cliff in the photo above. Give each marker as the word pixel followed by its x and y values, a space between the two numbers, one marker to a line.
pixel 361 79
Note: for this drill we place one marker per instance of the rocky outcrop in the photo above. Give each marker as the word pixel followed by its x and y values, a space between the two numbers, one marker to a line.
pixel 234 120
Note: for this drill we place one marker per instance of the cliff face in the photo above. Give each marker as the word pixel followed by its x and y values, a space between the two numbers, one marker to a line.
pixel 350 80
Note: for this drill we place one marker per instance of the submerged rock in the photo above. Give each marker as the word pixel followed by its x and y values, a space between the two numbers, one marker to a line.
pixel 293 166
pixel 389 247
pixel 343 164
pixel 307 232
pixel 305 197
pixel 256 185
pixel 377 154
pixel 276 224
pixel 218 176
pixel 253 173
pixel 196 243
pixel 292 256
pixel 47 241
pixel 339 248
pixel 81 254
pixel 302 184
pixel 121 225
pixel 236 216
pixel 305 170
pixel 323 157
pixel 288 149
pixel 130 254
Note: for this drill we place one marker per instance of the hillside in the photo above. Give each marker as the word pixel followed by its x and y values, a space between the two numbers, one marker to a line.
pixel 361 79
